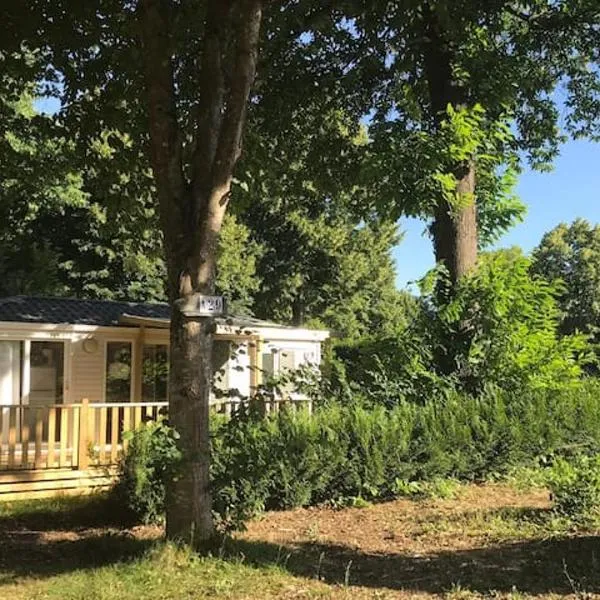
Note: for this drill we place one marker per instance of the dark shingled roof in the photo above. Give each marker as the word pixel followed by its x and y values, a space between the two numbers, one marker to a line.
pixel 33 309
pixel 72 311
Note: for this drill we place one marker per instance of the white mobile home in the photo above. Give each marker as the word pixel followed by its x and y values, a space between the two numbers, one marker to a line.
pixel 64 360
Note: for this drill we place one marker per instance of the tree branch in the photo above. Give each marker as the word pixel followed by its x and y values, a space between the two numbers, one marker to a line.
pixel 212 94
pixel 165 143
pixel 244 70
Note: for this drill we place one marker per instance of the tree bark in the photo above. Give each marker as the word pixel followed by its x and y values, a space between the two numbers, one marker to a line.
pixel 192 212
pixel 454 228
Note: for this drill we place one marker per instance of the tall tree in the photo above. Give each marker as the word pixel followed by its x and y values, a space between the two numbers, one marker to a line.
pixel 337 273
pixel 170 79
pixel 454 227
pixel 455 93
pixel 64 230
pixel 477 65
pixel 193 181
pixel 36 175
pixel 571 254
pixel 325 253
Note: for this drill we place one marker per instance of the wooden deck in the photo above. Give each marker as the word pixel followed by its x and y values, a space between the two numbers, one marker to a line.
pixel 64 448
pixel 74 448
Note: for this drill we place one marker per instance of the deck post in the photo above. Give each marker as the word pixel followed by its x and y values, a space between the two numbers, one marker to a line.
pixel 84 421
pixel 255 352
pixel 253 357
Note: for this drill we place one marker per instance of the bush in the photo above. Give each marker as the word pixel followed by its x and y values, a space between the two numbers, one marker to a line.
pixel 500 328
pixel 361 453
pixel 151 458
pixel 575 487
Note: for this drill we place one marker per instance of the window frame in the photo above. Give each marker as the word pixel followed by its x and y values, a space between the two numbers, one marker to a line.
pixel 134 350
pixel 143 345
pixel 26 369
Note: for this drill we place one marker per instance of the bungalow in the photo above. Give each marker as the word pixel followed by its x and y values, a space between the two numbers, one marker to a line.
pixel 74 374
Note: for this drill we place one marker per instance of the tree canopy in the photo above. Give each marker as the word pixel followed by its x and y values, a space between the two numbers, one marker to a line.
pixel 570 255
pixel 282 141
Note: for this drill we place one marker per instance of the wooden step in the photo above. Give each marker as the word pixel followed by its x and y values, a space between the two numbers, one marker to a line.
pixel 53 474
pixel 36 484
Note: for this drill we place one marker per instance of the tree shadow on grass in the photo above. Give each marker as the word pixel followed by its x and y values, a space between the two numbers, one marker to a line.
pixel 63 513
pixel 26 555
pixel 55 539
pixel 558 566
pixel 49 537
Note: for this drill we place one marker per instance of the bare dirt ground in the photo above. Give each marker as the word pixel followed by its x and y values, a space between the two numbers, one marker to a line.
pixel 489 541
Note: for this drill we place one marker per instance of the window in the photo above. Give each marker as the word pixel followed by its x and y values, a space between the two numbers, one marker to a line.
pixel 47 360
pixel 220 365
pixel 268 364
pixel 10 372
pixel 287 366
pixel 155 373
pixel 278 361
pixel 283 365
pixel 118 372
pixel 287 360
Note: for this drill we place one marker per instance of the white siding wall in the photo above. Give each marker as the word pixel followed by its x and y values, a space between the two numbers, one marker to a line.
pixel 239 369
pixel 88 370
pixel 304 352
pixel 291 354
pixel 87 373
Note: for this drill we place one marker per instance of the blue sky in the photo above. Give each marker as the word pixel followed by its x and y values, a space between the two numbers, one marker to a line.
pixel 571 190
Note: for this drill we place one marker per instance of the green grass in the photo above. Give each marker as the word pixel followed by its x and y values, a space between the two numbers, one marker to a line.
pixel 166 572
pixel 478 541
pixel 74 548
pixel 61 511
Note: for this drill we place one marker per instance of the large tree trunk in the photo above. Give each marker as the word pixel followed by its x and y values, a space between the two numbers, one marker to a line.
pixel 192 209
pixel 189 516
pixel 454 228
pixel 189 502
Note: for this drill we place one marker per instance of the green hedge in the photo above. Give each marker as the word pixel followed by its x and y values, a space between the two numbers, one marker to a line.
pixel 340 452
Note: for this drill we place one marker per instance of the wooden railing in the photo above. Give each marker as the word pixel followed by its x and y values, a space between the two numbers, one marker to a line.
pixel 67 435
pixel 86 434
pixel 229 406
pixel 102 440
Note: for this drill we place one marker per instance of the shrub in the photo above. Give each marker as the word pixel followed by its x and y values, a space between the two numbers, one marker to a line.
pixel 575 487
pixel 498 328
pixel 151 458
pixel 365 453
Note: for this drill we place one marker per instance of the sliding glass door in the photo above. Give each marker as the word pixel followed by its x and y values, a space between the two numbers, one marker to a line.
pixel 46 373
pixel 32 372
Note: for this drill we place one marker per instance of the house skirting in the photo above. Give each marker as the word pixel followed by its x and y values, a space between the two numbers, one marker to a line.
pixel 31 484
